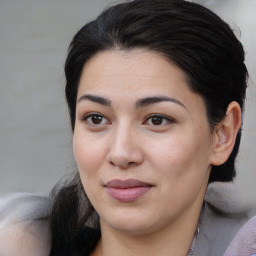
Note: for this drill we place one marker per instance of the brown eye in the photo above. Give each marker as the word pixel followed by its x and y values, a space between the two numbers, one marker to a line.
pixel 95 119
pixel 157 120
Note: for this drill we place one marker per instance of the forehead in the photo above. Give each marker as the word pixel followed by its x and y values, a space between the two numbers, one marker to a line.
pixel 140 64
pixel 130 58
pixel 134 74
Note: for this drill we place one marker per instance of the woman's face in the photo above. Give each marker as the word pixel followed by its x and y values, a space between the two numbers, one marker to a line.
pixel 141 141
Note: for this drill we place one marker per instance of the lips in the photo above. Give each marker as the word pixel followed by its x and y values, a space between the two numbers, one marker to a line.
pixel 127 190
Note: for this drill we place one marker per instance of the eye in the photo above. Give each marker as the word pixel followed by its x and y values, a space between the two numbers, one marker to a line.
pixel 158 120
pixel 95 119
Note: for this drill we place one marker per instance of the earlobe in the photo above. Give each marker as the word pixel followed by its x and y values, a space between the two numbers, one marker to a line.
pixel 225 134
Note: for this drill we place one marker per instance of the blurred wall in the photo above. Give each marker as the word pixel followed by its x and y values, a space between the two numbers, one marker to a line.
pixel 35 136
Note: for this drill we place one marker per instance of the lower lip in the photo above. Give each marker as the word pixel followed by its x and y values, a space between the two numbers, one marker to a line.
pixel 127 194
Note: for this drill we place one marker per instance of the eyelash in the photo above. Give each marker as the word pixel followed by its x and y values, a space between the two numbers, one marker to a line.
pixel 88 117
pixel 164 120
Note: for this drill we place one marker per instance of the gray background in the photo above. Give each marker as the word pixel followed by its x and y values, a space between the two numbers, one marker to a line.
pixel 35 135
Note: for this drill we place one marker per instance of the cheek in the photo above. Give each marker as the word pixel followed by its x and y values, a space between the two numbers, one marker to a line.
pixel 182 166
pixel 89 159
pixel 181 155
pixel 88 154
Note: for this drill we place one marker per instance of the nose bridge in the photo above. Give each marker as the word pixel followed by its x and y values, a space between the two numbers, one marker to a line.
pixel 123 137
pixel 124 150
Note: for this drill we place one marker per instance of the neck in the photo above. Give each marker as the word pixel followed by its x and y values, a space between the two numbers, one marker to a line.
pixel 173 240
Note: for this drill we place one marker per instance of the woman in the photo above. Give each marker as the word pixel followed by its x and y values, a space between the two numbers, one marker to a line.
pixel 155 91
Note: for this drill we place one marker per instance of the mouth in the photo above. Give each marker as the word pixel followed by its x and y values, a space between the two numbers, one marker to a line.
pixel 127 190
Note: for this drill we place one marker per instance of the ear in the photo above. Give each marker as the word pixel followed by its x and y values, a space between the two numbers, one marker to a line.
pixel 225 134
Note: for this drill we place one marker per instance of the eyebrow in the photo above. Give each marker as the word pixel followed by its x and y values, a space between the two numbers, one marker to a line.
pixel 97 99
pixel 139 103
pixel 157 99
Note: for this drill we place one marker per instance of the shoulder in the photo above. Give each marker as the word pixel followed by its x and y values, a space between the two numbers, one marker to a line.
pixel 217 231
pixel 24 229
pixel 224 216
pixel 244 243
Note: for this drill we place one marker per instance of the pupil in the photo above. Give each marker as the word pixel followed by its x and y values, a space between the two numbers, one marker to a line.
pixel 96 119
pixel 157 120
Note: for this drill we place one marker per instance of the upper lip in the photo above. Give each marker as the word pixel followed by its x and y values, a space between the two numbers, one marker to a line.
pixel 129 183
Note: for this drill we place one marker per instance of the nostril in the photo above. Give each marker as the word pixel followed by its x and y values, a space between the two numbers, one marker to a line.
pixel 112 163
pixel 123 165
pixel 131 163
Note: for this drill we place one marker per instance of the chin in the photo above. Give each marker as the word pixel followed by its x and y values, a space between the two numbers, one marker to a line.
pixel 127 222
pixel 137 222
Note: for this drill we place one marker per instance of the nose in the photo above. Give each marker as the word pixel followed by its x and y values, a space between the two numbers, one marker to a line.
pixel 125 151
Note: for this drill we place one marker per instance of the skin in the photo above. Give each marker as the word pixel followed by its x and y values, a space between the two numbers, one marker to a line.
pixel 167 144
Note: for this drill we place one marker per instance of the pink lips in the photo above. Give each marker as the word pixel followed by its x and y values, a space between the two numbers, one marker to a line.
pixel 127 190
